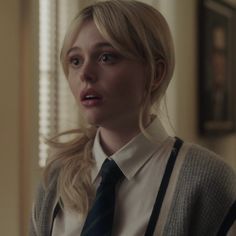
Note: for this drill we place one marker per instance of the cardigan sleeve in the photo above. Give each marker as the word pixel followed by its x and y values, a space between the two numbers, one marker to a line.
pixel 35 212
pixel 204 195
pixel 43 207
pixel 33 226
pixel 215 190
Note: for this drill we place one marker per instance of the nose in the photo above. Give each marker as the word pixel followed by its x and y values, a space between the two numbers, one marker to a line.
pixel 88 72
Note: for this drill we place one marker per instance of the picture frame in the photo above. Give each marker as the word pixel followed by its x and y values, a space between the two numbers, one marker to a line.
pixel 217 72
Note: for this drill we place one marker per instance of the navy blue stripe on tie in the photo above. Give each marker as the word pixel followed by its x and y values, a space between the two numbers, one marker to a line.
pixel 100 218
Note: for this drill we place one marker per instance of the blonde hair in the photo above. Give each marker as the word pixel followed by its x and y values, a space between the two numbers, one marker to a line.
pixel 141 33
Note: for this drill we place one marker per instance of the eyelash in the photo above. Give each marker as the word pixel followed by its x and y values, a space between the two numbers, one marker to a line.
pixel 72 60
pixel 112 57
pixel 75 61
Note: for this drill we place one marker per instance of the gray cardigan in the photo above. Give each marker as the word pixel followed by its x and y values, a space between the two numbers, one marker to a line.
pixel 204 202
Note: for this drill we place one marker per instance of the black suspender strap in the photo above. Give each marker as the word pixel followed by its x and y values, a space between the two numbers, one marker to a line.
pixel 55 212
pixel 163 187
pixel 228 221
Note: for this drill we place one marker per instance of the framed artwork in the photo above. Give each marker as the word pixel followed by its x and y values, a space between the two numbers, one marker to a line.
pixel 217 62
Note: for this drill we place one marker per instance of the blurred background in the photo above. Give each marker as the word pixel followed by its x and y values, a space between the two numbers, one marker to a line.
pixel 35 100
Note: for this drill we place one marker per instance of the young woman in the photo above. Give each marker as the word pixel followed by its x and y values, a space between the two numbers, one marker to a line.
pixel 123 174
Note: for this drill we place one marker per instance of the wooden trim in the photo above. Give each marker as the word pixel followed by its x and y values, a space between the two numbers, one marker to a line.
pixel 28 101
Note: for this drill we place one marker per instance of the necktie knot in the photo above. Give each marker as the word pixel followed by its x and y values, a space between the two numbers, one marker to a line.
pixel 110 172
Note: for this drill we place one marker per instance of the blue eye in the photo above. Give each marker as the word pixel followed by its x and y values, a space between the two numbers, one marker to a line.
pixel 74 61
pixel 108 58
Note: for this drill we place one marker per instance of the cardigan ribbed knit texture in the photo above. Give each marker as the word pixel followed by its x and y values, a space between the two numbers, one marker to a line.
pixel 205 191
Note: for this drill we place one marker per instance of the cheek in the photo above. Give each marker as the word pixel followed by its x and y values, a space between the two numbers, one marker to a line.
pixel 74 85
pixel 135 83
pixel 129 87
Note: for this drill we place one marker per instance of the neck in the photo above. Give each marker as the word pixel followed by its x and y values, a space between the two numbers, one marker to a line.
pixel 112 139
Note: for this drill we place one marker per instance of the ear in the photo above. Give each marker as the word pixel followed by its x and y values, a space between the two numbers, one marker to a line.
pixel 161 68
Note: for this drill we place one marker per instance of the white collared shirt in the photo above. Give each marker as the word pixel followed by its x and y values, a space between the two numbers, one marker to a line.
pixel 143 164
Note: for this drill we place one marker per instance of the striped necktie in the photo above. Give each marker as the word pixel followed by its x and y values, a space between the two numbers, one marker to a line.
pixel 100 218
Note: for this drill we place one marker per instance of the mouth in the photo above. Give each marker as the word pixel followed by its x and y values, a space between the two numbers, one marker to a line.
pixel 90 97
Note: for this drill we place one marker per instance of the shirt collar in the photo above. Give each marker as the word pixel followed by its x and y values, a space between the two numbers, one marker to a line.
pixel 132 156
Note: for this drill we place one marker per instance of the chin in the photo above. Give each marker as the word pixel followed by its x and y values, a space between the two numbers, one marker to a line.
pixel 93 119
pixel 99 120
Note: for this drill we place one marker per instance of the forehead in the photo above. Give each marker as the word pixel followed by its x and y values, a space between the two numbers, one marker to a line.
pixel 88 36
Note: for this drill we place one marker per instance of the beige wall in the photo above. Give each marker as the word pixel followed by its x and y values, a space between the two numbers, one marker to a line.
pixel 9 118
pixel 18 120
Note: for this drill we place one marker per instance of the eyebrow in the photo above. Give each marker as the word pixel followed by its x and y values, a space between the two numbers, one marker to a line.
pixel 96 46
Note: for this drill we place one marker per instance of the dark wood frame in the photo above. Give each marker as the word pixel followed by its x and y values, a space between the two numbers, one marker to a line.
pixel 217 72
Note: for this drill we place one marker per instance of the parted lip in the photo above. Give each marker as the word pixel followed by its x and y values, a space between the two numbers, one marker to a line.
pixel 89 92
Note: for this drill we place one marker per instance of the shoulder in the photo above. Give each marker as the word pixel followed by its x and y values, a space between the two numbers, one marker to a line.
pixel 207 165
pixel 208 177
pixel 48 184
pixel 49 189
pixel 205 190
